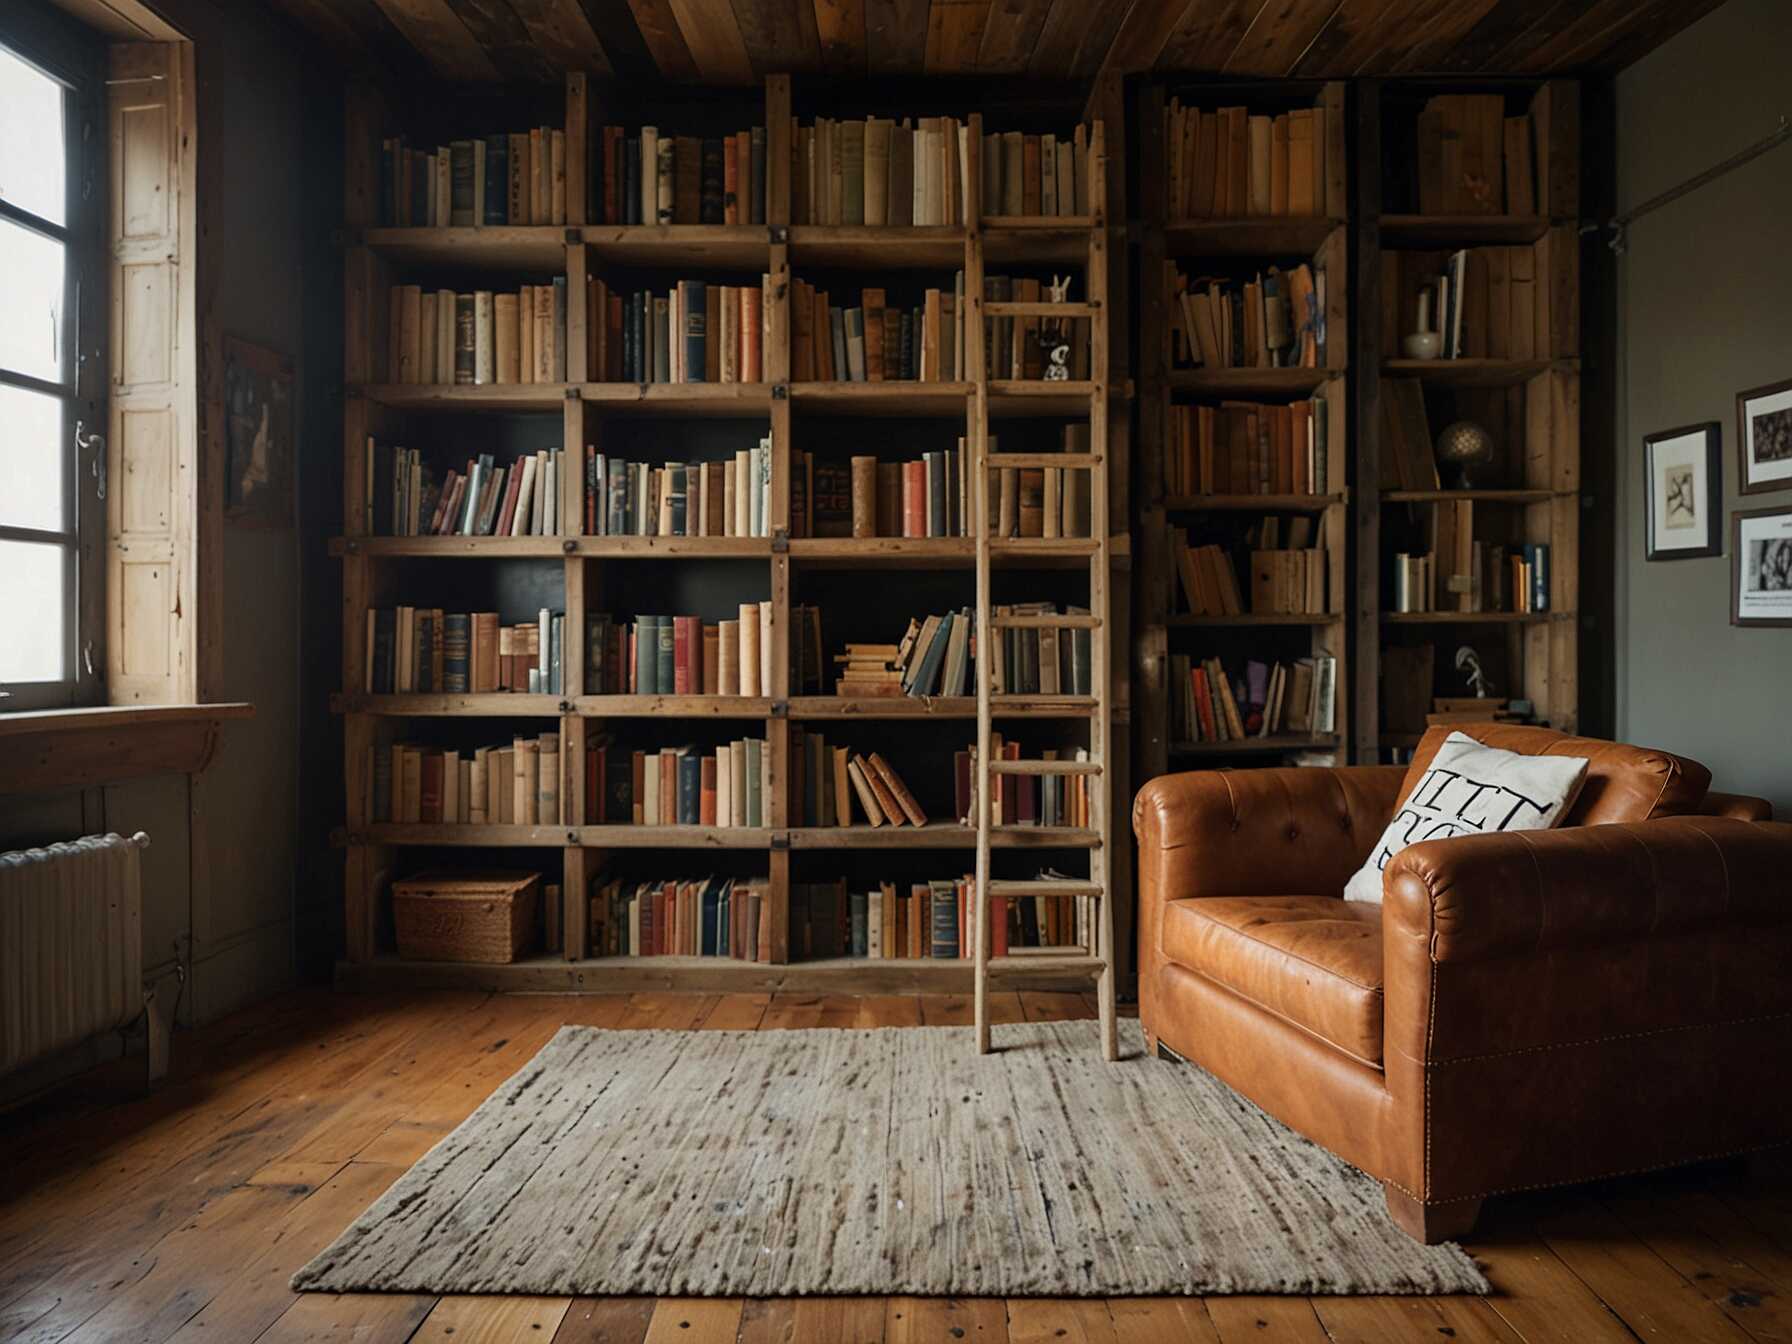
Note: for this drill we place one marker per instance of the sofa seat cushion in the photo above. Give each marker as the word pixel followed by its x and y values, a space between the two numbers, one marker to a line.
pixel 1314 961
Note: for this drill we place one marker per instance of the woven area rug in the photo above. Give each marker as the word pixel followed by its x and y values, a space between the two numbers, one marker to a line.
pixel 895 1161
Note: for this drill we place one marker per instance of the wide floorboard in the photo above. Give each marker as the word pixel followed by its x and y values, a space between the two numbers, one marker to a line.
pixel 181 1214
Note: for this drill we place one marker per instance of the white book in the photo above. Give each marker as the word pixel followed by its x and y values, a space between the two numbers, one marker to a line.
pixel 484 347
pixel 650 790
pixel 874 923
pixel 544 623
pixel 765 648
pixel 765 487
pixel 738 762
pixel 725 785
pixel 525 498
pixel 539 517
pixel 743 494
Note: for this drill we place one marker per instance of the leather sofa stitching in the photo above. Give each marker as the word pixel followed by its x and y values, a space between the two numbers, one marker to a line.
pixel 1599 1175
pixel 1433 1063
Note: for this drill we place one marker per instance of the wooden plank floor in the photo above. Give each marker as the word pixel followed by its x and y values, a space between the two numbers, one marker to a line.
pixel 180 1215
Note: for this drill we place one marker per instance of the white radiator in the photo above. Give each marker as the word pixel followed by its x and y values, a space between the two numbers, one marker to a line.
pixel 71 944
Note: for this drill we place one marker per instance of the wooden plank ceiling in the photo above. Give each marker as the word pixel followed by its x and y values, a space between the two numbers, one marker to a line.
pixel 739 41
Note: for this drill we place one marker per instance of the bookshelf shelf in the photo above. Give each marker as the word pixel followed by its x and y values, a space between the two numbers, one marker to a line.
pixel 1473 496
pixel 1251 745
pixel 1472 617
pixel 1466 372
pixel 1252 503
pixel 1250 382
pixel 591 575
pixel 1460 230
pixel 1184 620
pixel 1256 236
pixel 708 975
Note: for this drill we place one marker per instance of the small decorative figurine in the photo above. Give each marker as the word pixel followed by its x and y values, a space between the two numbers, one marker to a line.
pixel 1464 446
pixel 1054 334
pixel 1468 662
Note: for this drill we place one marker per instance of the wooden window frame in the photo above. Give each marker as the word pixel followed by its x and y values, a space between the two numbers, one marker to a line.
pixel 76 58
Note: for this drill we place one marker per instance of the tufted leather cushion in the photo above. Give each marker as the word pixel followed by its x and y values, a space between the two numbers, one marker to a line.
pixel 1314 961
pixel 1624 783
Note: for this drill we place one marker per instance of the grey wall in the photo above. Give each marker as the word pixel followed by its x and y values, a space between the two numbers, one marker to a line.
pixel 237 880
pixel 1705 288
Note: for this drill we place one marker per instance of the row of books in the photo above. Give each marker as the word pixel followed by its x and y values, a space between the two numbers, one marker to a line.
pixel 1473 159
pixel 1274 321
pixel 682 786
pixel 680 655
pixel 1250 448
pixel 444 338
pixel 672 917
pixel 932 658
pixel 404 498
pixel 1287 573
pixel 1478 576
pixel 928 920
pixel 1040 660
pixel 494 179
pixel 1214 705
pixel 516 783
pixel 825 782
pixel 1483 302
pixel 730 498
pixel 695 332
pixel 875 341
pixel 426 650
pixel 1021 800
pixel 654 178
pixel 1231 163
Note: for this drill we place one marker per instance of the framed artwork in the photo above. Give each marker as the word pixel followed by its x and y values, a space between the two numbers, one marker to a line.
pixel 258 431
pixel 1683 479
pixel 1761 570
pixel 1764 438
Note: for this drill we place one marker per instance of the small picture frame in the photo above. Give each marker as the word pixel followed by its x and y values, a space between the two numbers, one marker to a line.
pixel 1683 490
pixel 1761 566
pixel 1764 438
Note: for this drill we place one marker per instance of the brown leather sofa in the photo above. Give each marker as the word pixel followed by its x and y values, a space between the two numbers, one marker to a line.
pixel 1523 1009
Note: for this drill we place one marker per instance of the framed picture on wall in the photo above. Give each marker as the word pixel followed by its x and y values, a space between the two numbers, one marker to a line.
pixel 1761 570
pixel 1764 438
pixel 1683 475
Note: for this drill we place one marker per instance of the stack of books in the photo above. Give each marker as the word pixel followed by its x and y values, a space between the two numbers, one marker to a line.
pixel 680 499
pixel 1287 570
pixel 1274 321
pixel 1230 163
pixel 1249 448
pixel 653 178
pixel 680 655
pixel 424 650
pixel 704 917
pixel 874 340
pixel 444 338
pixel 514 783
pixel 1021 800
pixel 494 179
pixel 1271 698
pixel 864 497
pixel 1041 660
pixel 695 332
pixel 404 498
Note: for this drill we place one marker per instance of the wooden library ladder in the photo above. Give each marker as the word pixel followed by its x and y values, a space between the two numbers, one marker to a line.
pixel 1058 962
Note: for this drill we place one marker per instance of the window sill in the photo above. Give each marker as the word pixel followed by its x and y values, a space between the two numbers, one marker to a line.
pixel 52 749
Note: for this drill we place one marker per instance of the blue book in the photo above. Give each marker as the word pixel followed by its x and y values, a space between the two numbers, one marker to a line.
pixel 496 206
pixel 664 677
pixel 647 654
pixel 692 296
pixel 713 944
pixel 690 784
pixel 1536 554
pixel 945 920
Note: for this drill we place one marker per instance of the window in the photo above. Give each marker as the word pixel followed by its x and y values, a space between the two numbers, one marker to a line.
pixel 52 448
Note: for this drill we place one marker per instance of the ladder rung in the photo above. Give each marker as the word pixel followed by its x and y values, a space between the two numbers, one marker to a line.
pixel 1061 704
pixel 1040 833
pixel 1045 621
pixel 1046 964
pixel 1042 308
pixel 1045 767
pixel 1043 886
pixel 1081 461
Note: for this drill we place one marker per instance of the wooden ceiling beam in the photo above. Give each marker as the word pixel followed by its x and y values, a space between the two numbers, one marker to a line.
pixel 620 37
pixel 507 42
pixel 1206 34
pixel 1012 32
pixel 1641 38
pixel 712 33
pixel 665 40
pixel 1429 51
pixel 954 35
pixel 437 32
pixel 1279 36
pixel 1139 41
pixel 837 31
pixel 895 36
pixel 563 31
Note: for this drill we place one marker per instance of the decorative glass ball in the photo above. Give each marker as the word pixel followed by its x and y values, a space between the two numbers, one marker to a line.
pixel 1464 446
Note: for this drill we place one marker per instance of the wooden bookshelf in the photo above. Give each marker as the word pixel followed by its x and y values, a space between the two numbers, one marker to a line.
pixel 1532 494
pixel 1232 246
pixel 374 567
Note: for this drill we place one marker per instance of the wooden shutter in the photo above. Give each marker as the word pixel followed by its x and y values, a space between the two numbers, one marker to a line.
pixel 152 441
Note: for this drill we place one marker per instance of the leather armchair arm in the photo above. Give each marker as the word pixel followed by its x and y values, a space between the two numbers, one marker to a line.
pixel 1532 938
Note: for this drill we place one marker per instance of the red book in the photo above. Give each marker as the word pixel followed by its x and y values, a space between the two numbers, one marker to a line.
pixel 998 933
pixel 1026 805
pixel 613 175
pixel 432 787
pixel 730 182
pixel 683 646
pixel 751 315
pixel 451 515
pixel 628 659
pixel 706 815
pixel 1203 703
pixel 638 787
pixel 507 510
pixel 914 499
pixel 961 786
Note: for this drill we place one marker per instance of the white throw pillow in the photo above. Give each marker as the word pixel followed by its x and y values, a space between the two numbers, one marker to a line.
pixel 1470 789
